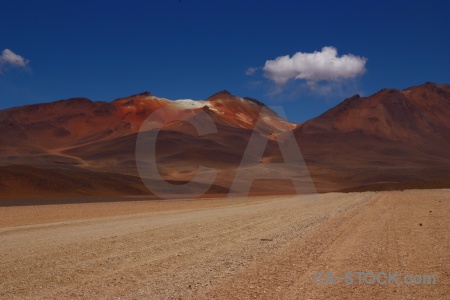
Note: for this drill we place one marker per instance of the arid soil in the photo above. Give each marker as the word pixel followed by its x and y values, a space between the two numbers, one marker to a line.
pixel 258 248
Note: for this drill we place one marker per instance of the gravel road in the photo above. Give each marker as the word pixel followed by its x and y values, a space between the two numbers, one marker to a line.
pixel 259 248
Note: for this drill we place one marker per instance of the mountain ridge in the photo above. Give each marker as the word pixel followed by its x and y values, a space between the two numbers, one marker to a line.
pixel 391 137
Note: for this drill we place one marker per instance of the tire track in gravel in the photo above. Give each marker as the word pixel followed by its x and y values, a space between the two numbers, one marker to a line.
pixel 381 236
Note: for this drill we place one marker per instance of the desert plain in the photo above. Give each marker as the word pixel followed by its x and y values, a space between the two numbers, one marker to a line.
pixel 80 220
pixel 267 247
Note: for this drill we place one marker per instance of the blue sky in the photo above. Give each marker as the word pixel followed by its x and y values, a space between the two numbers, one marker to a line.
pixel 104 50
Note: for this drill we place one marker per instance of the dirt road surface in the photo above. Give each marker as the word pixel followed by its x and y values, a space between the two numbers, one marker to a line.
pixel 259 248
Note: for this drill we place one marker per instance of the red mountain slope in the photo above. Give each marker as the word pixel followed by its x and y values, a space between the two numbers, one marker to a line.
pixel 79 147
pixel 390 137
pixel 78 136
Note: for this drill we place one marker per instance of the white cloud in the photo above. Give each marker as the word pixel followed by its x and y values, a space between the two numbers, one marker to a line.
pixel 10 59
pixel 314 67
pixel 251 70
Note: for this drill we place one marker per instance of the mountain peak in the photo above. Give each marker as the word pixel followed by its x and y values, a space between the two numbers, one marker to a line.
pixel 143 94
pixel 254 101
pixel 227 94
pixel 146 94
pixel 425 85
pixel 429 89
pixel 222 93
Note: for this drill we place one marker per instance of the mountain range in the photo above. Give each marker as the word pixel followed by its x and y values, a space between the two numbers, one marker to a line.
pixel 393 139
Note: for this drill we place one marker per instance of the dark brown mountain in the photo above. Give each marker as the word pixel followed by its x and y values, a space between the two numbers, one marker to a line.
pixel 392 139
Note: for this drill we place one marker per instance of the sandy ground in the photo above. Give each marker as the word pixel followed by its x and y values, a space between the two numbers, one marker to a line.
pixel 262 248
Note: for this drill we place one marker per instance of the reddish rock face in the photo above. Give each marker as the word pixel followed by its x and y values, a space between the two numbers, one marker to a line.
pixel 388 138
pixel 417 114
